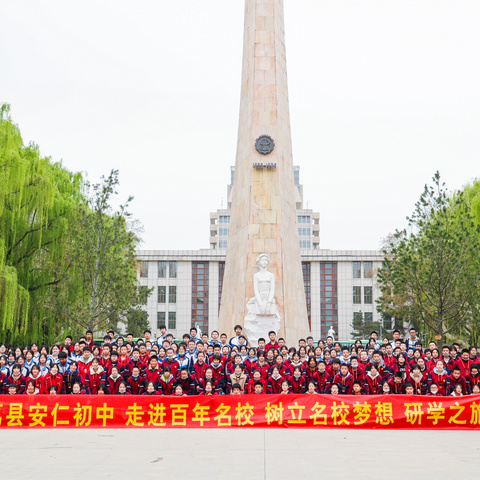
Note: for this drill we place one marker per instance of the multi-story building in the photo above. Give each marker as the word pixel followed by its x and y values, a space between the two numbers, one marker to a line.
pixel 188 284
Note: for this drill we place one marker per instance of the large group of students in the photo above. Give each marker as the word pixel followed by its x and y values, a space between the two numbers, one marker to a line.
pixel 216 365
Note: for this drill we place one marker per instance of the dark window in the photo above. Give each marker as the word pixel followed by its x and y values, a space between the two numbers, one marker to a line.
pixel 357 295
pixel 160 319
pixel 367 295
pixel 172 294
pixel 143 269
pixel 200 294
pixel 357 269
pixel 172 320
pixel 367 269
pixel 328 298
pixel 162 293
pixel 172 269
pixel 162 269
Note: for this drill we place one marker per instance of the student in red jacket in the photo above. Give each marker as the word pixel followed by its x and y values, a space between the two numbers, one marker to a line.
pixel 186 382
pixel 96 377
pixel 4 382
pixel 464 363
pixel 135 382
pixel 397 384
pixel 151 389
pixel 448 360
pixel 402 366
pixel 257 377
pixel 209 389
pixel 474 376
pixel 373 381
pixel 344 380
pixel 171 363
pixel 105 357
pixel 77 389
pixel 123 388
pixel 322 379
pixel 71 376
pixel 274 385
pixel 456 379
pixel 335 367
pixel 17 378
pixel 31 388
pixel 358 373
pixel 199 367
pixel 417 380
pixel 36 377
pixel 200 384
pixel 273 342
pixel 229 368
pixel 439 376
pixel 250 361
pixel 311 370
pixel 298 383
pixel 389 358
pixel 283 368
pixel 218 371
pixel 262 365
pixel 166 381
pixel 357 388
pixel 434 391
pixel 153 372
pixel 53 379
pixel 113 381
pixel 84 361
pixel 137 362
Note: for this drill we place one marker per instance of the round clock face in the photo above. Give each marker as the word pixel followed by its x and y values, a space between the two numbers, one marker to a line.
pixel 264 144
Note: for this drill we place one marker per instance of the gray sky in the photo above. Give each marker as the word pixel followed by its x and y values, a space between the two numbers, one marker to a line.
pixel 382 94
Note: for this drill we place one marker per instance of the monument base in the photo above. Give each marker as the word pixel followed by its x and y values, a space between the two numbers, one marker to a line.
pixel 257 325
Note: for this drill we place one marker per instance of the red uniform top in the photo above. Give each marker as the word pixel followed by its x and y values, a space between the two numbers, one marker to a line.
pixel 251 385
pixel 464 366
pixel 373 384
pixel 345 384
pixel 275 386
pixel 270 345
pixel 50 381
pixel 297 384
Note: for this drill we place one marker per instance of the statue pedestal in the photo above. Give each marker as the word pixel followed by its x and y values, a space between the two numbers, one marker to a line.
pixel 257 325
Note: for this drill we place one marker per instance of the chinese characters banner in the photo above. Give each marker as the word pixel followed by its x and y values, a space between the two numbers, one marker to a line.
pixel 261 411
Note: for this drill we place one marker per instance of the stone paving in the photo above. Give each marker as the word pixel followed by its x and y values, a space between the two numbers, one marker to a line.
pixel 255 454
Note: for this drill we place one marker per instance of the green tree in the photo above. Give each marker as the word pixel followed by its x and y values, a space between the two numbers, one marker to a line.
pixel 361 328
pixel 38 199
pixel 101 288
pixel 137 321
pixel 431 275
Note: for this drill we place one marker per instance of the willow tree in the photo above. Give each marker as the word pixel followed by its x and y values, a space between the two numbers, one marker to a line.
pixel 431 272
pixel 38 199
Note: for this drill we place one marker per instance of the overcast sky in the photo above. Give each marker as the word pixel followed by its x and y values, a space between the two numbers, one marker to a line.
pixel 382 94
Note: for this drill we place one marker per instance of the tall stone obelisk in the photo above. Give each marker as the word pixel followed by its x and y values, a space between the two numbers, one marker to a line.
pixel 263 214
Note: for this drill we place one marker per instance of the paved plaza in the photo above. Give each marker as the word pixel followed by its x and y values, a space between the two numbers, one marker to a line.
pixel 238 454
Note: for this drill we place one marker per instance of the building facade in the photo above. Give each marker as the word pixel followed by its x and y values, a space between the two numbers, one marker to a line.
pixel 187 284
pixel 187 288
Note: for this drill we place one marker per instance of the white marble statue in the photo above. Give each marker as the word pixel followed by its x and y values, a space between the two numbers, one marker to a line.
pixel 331 333
pixel 262 311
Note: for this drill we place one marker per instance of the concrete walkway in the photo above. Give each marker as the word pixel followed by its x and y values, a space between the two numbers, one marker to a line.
pixel 257 454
